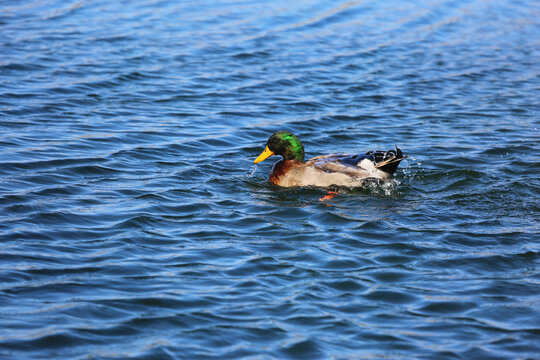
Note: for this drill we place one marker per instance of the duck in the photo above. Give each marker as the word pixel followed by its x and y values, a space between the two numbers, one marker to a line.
pixel 342 170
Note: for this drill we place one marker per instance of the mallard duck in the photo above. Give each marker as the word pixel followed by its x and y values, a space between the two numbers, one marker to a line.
pixel 325 170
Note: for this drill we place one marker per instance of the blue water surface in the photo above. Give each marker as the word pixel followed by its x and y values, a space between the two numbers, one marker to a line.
pixel 134 224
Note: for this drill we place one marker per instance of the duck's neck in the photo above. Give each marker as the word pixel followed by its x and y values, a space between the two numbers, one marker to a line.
pixel 296 156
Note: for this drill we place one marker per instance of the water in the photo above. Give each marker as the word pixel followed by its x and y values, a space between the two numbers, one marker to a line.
pixel 133 222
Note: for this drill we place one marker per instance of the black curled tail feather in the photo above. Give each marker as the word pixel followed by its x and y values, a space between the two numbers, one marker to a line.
pixel 388 161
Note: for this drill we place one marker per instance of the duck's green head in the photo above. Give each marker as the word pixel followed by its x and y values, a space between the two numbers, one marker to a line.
pixel 285 144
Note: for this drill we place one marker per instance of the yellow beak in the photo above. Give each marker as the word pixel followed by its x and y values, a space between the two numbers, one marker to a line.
pixel 266 153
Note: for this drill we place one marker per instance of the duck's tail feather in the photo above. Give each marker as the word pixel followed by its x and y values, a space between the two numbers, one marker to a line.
pixel 389 160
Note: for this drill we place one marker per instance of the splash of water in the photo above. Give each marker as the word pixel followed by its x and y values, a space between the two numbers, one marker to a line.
pixel 252 173
pixel 382 187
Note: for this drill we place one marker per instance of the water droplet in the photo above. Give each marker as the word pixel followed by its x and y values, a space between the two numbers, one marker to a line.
pixel 253 170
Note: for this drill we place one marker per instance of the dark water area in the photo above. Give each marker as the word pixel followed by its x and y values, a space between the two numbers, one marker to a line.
pixel 134 224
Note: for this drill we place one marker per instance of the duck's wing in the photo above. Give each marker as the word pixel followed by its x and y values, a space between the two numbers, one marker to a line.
pixel 338 164
pixel 372 163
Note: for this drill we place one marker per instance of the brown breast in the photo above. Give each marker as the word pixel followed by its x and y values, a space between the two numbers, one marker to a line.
pixel 280 168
